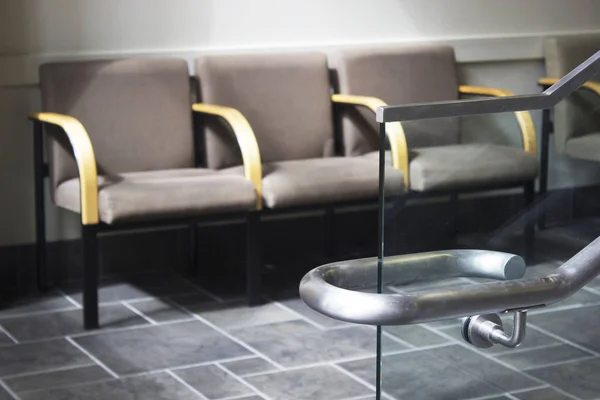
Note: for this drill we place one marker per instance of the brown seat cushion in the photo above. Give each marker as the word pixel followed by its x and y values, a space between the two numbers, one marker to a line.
pixel 163 194
pixel 323 180
pixel 466 166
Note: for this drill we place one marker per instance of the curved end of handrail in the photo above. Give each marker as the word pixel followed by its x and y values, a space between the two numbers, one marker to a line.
pixel 328 289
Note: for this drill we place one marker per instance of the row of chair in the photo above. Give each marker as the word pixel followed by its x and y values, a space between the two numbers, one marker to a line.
pixel 128 148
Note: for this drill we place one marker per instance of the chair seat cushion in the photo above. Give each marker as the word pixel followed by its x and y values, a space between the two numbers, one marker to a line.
pixel 586 147
pixel 468 166
pixel 323 180
pixel 173 193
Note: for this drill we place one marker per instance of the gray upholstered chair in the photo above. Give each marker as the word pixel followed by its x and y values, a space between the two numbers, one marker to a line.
pixel 121 154
pixel 575 121
pixel 430 153
pixel 286 98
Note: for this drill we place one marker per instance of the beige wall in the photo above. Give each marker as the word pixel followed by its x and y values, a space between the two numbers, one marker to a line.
pixel 498 43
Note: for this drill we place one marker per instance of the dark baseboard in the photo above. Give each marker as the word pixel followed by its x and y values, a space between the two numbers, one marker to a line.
pixel 417 226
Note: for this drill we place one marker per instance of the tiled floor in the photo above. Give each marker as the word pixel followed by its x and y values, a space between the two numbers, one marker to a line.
pixel 164 337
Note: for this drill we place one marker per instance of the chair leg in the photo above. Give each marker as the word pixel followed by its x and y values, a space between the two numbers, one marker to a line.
pixel 453 219
pixel 529 194
pixel 40 214
pixel 90 277
pixel 193 250
pixel 544 161
pixel 253 259
pixel 329 231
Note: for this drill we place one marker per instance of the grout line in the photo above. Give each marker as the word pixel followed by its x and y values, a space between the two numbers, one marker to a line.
pixel 214 362
pixel 396 339
pixel 142 299
pixel 591 290
pixel 243 382
pixel 559 363
pixel 187 385
pixel 563 340
pixel 359 380
pixel 231 337
pixel 525 350
pixel 92 357
pixel 506 365
pixel 489 396
pixel 9 335
pixel 138 312
pixel 545 386
pixel 267 372
pixel 9 390
pixel 35 313
pixel 69 298
pixel 238 397
pixel 48 371
pixel 199 288
pixel 103 331
pixel 351 359
pixel 299 315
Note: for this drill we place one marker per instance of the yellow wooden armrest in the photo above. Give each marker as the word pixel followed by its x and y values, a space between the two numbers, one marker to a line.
pixel 523 117
pixel 393 130
pixel 246 140
pixel 84 157
pixel 589 85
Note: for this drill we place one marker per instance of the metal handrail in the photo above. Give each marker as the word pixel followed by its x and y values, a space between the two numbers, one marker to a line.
pixel 326 288
pixel 459 108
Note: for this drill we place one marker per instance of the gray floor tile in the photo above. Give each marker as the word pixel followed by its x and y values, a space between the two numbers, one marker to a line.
pixel 156 387
pixel 538 357
pixel 297 343
pixel 578 378
pixel 249 366
pixel 483 368
pixel 300 307
pixel 4 339
pixel 541 394
pixel 533 339
pixel 142 286
pixel 4 394
pixel 35 304
pixel 51 380
pixel 237 315
pixel 164 346
pixel 41 356
pixel 445 323
pixel 188 299
pixel 499 398
pixel 579 325
pixel 582 297
pixel 308 384
pixel 62 323
pixel 213 382
pixel 420 376
pixel 159 310
pixel 415 335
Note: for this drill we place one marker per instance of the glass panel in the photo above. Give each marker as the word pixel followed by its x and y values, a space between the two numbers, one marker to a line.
pixel 474 195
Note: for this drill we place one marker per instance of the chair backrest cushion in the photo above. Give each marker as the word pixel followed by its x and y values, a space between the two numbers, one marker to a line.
pixel 578 114
pixel 286 98
pixel 397 75
pixel 137 113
